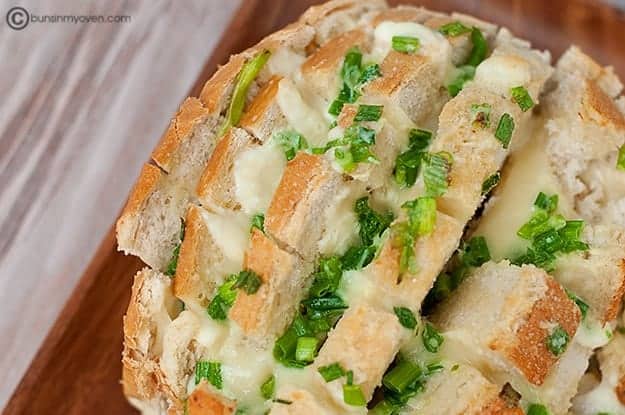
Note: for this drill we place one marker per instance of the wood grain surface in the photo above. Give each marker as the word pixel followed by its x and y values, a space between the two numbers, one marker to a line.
pixel 77 368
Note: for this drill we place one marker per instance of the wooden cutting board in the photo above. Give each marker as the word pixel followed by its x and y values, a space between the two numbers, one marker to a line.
pixel 77 369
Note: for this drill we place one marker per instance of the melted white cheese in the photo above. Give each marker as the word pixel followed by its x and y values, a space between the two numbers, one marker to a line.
pixel 257 172
pixel 341 223
pixel 230 233
pixel 592 334
pixel 502 72
pixel 527 173
pixel 284 62
pixel 300 115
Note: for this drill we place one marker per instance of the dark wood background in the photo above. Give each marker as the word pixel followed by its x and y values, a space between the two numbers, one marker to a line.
pixel 77 369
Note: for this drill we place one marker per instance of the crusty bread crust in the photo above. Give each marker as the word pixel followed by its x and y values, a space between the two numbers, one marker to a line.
pixel 191 112
pixel 203 401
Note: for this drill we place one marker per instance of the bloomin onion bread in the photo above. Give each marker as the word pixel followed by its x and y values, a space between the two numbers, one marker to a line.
pixel 387 211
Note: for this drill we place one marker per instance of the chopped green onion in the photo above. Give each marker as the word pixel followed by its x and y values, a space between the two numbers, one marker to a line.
pixel 245 78
pixel 331 372
pixel 406 317
pixel 407 165
pixel 490 183
pixel 249 281
pixel 354 76
pixel 352 395
pixel 284 349
pixel 557 341
pixel 436 173
pixel 504 130
pixel 537 409
pixel 432 339
pixel 454 29
pixel 268 387
pixel 620 162
pixel 405 44
pixel 583 307
pixel 328 277
pixel 475 252
pixel 480 113
pixel 419 139
pixel 358 257
pixel 522 98
pixel 306 349
pixel 368 73
pixel 368 113
pixel 258 222
pixel 291 142
pixel 480 48
pixel 210 371
pixel 325 303
pixel 399 378
pixel 421 215
pixel 547 203
pixel 371 223
pixel 221 303
pixel 464 74
pixel 170 270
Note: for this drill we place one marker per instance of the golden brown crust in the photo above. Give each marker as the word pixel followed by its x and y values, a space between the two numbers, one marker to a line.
pixel 401 14
pixel 316 14
pixel 620 389
pixel 346 117
pixel 257 313
pixel 329 56
pixel 145 185
pixel 597 102
pixel 530 353
pixel 203 401
pixel 396 68
pixel 191 113
pixel 186 281
pixel 300 175
pixel 499 407
pixel 259 105
pixel 617 297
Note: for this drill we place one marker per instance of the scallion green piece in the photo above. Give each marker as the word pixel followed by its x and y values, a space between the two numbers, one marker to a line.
pixel 436 173
pixel 245 78
pixel 399 378
pixel 170 270
pixel 406 317
pixel 291 142
pixel 268 387
pixel 248 281
pixel 537 409
pixel 454 29
pixel 522 98
pixel 306 349
pixel 504 130
pixel 432 339
pixel 258 222
pixel 558 340
pixel 331 372
pixel 581 304
pixel 405 44
pixel 352 395
pixel 620 161
pixel 490 183
pixel 210 371
pixel 368 113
